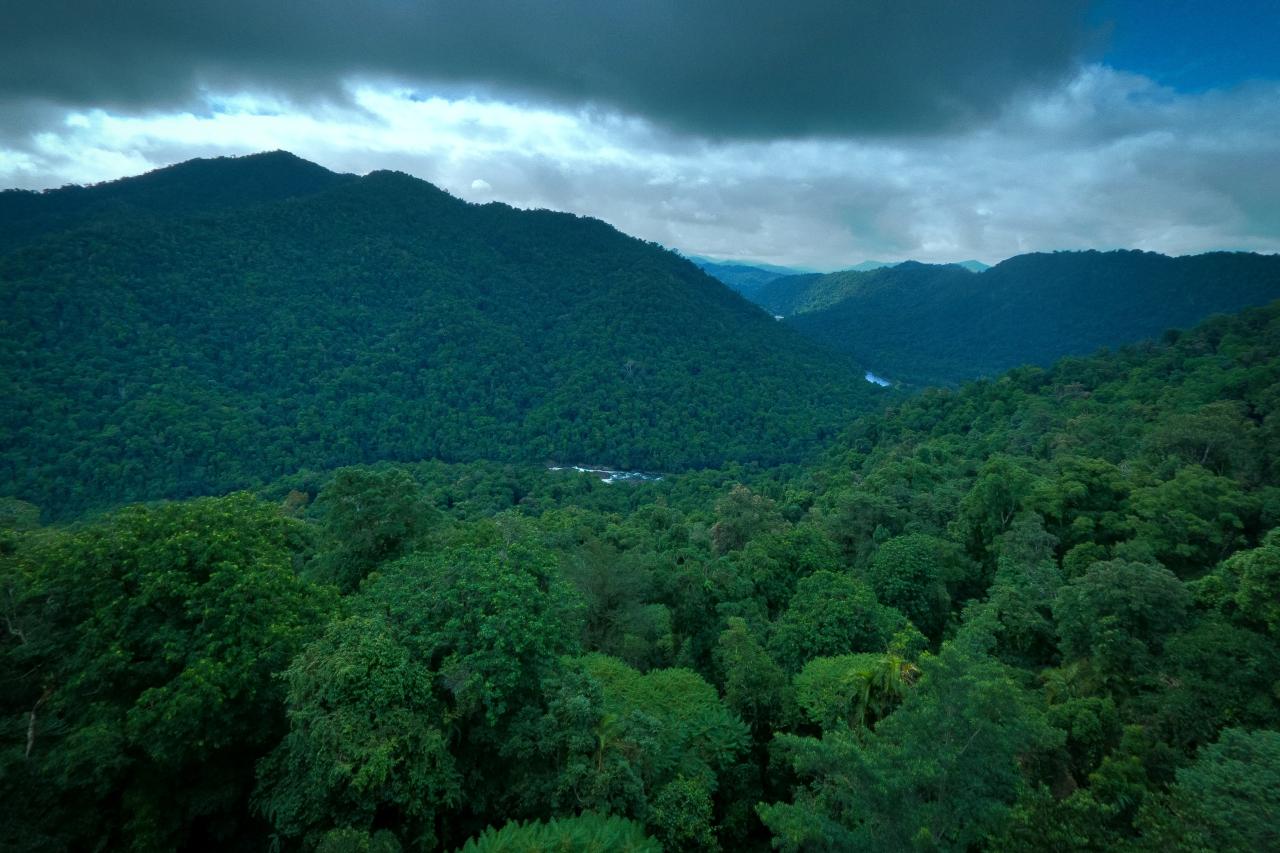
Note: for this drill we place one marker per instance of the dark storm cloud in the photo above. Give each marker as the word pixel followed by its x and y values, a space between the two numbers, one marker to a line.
pixel 745 68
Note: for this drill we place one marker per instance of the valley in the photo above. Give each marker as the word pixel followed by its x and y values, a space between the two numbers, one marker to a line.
pixel 282 555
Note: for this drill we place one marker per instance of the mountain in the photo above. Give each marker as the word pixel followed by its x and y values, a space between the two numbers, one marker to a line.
pixel 746 279
pixel 799 294
pixel 195 186
pixel 942 324
pixel 310 320
pixel 973 266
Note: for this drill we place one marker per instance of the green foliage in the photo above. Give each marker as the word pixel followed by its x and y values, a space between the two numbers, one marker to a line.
pixel 589 832
pixel 910 573
pixel 148 646
pixel 682 816
pixel 358 841
pixel 1195 701
pixel 369 517
pixel 755 687
pixel 831 614
pixel 740 516
pixel 1247 586
pixel 1227 800
pixel 348 840
pixel 1193 520
pixel 690 732
pixel 489 621
pixel 367 740
pixel 941 772
pixel 1084 545
pixel 853 691
pixel 1117 615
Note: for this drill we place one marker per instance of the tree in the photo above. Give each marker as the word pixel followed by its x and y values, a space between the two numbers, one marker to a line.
pixel 1193 520
pixel 151 644
pixel 853 692
pixel 1026 583
pixel 367 744
pixel 776 562
pixel 589 832
pixel 755 687
pixel 692 733
pixel 683 816
pixel 1117 615
pixel 1227 800
pixel 910 573
pixel 490 622
pixel 1246 586
pixel 998 494
pixel 940 772
pixel 741 515
pixel 832 614
pixel 368 517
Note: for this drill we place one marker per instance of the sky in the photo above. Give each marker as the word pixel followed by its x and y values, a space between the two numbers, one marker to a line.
pixel 809 133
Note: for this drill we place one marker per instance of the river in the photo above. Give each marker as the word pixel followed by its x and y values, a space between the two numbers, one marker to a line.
pixel 609 475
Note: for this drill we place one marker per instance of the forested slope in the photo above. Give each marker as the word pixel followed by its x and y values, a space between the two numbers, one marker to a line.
pixel 941 324
pixel 1037 612
pixel 378 319
pixel 192 187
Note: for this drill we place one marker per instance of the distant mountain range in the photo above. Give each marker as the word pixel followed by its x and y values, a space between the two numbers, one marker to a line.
pixel 746 279
pixel 222 322
pixel 942 324
pixel 750 279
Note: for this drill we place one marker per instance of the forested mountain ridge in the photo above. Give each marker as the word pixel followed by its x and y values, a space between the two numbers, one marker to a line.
pixel 380 318
pixel 1037 612
pixel 744 278
pixel 194 186
pixel 942 324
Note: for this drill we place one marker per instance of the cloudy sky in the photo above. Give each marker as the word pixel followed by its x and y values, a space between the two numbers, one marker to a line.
pixel 813 133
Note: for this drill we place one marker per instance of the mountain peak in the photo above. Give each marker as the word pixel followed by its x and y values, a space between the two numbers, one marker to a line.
pixel 192 186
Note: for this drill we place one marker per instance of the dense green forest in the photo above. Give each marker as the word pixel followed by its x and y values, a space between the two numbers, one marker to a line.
pixel 1037 612
pixel 163 342
pixel 922 324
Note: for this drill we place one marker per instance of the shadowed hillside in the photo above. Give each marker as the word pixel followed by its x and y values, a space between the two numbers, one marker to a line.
pixel 941 324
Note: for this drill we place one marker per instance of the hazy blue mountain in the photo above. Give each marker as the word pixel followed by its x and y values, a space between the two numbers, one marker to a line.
pixel 745 278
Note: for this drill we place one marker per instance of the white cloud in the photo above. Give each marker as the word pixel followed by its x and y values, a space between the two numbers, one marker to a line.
pixel 1107 160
